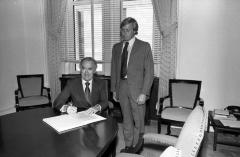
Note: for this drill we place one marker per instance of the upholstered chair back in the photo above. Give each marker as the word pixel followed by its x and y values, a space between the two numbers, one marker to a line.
pixel 30 85
pixel 192 133
pixel 184 93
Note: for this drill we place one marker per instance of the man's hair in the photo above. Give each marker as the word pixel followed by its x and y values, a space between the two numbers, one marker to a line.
pixel 129 20
pixel 88 59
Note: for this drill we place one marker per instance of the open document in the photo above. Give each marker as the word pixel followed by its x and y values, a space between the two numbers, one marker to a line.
pixel 67 122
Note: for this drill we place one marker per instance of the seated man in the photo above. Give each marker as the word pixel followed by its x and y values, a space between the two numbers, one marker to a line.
pixel 87 92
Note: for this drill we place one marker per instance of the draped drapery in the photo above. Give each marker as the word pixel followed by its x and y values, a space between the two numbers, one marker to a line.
pixel 55 14
pixel 165 12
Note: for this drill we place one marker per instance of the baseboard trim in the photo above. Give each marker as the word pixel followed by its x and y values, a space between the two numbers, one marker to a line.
pixel 4 111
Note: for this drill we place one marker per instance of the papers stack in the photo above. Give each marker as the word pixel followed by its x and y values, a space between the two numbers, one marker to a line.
pixel 231 123
pixel 67 122
pixel 221 114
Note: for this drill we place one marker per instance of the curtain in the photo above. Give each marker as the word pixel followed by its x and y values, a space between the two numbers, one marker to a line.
pixel 55 13
pixel 165 12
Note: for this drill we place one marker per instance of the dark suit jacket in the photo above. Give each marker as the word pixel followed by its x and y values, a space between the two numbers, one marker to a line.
pixel 140 68
pixel 75 91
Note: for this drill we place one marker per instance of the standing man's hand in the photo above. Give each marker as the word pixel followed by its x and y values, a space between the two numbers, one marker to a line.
pixel 141 99
pixel 115 98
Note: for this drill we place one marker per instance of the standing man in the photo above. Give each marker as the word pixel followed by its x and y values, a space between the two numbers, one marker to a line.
pixel 131 79
pixel 86 93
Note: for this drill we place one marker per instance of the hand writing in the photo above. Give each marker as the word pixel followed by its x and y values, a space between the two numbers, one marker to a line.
pixel 71 109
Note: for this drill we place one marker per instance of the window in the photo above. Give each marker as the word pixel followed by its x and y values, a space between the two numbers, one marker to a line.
pixel 92 28
pixel 88 31
pixel 142 11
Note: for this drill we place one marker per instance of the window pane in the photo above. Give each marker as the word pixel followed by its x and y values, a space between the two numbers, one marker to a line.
pixel 96 27
pixel 88 30
pixel 99 67
pixel 83 29
pixel 98 32
pixel 142 11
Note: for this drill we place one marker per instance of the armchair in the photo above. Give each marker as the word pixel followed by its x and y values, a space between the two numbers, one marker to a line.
pixel 31 92
pixel 174 109
pixel 186 145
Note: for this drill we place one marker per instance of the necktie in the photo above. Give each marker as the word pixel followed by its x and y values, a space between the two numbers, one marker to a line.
pixel 87 92
pixel 124 61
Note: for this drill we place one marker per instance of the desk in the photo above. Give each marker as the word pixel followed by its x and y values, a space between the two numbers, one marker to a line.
pixel 220 128
pixel 25 134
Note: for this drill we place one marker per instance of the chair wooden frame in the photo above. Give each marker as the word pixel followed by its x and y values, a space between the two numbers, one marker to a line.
pixel 20 94
pixel 161 102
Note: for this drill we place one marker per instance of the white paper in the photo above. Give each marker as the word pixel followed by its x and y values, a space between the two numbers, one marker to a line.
pixel 221 112
pixel 66 122
pixel 223 117
pixel 231 123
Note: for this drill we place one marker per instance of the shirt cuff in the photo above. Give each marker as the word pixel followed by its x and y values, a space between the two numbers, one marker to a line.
pixel 64 108
pixel 98 107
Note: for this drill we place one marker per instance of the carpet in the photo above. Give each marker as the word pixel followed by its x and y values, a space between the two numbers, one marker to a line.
pixel 207 147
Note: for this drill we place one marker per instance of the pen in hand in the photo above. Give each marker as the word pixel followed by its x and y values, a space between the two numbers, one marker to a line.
pixel 71 109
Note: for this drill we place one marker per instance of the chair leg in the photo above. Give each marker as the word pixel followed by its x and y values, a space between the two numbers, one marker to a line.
pixel 17 108
pixel 159 126
pixel 168 129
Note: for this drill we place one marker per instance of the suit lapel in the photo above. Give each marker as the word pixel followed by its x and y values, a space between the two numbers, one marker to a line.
pixel 119 49
pixel 81 86
pixel 94 89
pixel 133 51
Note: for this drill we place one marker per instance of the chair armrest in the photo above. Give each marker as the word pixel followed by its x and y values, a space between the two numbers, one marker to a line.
pixel 201 102
pixel 48 94
pixel 110 105
pixel 163 98
pixel 159 106
pixel 16 92
pixel 109 110
pixel 159 139
pixel 17 96
pixel 171 152
pixel 46 91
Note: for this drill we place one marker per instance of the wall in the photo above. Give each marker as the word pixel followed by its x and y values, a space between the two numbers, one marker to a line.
pixel 208 49
pixel 22 46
